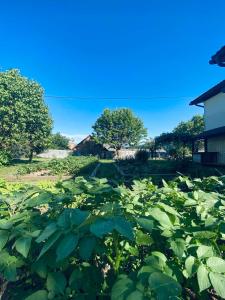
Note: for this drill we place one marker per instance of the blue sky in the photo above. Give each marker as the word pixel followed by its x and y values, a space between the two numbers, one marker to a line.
pixel 115 48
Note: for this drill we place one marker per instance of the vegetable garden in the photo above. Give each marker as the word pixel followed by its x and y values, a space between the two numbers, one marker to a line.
pixel 72 165
pixel 85 239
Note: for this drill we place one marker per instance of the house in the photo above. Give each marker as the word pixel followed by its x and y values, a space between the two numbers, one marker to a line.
pixel 88 146
pixel 213 102
pixel 218 58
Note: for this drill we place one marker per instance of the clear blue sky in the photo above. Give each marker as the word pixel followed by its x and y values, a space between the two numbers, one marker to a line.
pixel 115 48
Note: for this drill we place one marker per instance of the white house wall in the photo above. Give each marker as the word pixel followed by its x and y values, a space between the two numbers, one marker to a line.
pixel 214 113
pixel 217 144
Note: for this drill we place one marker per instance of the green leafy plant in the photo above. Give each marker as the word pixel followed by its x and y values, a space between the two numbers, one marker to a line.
pixel 85 239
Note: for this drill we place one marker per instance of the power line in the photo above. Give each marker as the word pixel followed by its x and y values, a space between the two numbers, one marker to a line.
pixel 116 98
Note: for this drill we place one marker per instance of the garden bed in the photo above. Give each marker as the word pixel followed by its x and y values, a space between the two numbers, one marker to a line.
pixel 85 239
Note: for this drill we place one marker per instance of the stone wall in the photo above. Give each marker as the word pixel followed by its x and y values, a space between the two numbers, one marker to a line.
pixel 51 153
pixel 126 153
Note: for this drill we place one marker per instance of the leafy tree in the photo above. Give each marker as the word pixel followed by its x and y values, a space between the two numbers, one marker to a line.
pixel 119 127
pixel 152 146
pixel 24 117
pixel 179 141
pixel 59 141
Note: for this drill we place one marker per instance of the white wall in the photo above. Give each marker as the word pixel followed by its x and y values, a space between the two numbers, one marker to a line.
pixel 217 144
pixel 215 112
pixel 55 153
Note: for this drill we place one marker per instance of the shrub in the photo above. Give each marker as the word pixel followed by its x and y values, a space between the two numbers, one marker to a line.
pixel 5 158
pixel 142 155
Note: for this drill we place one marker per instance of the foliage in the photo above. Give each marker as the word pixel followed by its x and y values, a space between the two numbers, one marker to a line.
pixel 24 116
pixel 59 141
pixel 119 127
pixel 66 166
pixel 4 158
pixel 179 141
pixel 88 240
pixel 152 146
pixel 142 155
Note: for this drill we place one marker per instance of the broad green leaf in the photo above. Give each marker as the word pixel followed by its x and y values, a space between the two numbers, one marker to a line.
pixel 42 198
pixel 122 288
pixel 49 243
pixel 5 224
pixel 40 267
pixel 39 295
pixel 66 246
pixel 9 265
pixel 4 235
pixel 102 227
pixel 216 264
pixel 136 295
pixel 123 227
pixel 222 227
pixel 145 223
pixel 47 232
pixel 143 238
pixel 218 283
pixel 203 278
pixel 190 202
pixel 23 245
pixel 160 255
pixel 56 282
pixel 86 247
pixel 78 216
pixel 190 265
pixel 161 217
pixel 178 247
pixel 168 209
pixel 205 251
pixel 164 286
pixel 204 235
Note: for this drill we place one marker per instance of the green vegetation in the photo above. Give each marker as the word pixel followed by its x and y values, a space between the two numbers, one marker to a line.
pixel 59 141
pixel 67 166
pixel 119 127
pixel 178 143
pixel 166 169
pixel 25 121
pixel 107 169
pixel 87 240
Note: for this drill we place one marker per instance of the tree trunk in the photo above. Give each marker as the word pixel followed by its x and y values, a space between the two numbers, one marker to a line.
pixel 31 155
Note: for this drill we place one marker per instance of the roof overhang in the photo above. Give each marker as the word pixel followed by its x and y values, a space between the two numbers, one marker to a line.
pixel 219 88
pixel 211 133
pixel 218 58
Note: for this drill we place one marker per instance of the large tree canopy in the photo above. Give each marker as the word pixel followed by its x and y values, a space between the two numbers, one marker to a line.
pixel 119 127
pixel 24 117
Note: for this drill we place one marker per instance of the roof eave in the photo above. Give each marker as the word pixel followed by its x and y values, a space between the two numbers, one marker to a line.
pixel 220 87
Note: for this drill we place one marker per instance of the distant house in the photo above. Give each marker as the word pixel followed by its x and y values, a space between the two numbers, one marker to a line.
pixel 89 146
pixel 213 102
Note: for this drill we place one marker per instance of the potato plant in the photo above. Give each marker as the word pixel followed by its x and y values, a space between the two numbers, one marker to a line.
pixel 84 239
pixel 71 165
